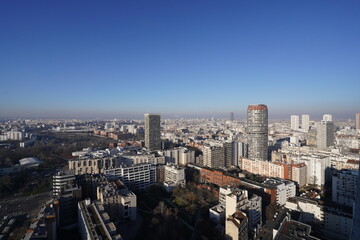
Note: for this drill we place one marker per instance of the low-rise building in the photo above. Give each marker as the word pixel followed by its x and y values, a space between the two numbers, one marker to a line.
pixel 218 177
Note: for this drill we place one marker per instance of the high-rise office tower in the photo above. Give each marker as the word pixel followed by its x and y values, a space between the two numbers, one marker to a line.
pixel 295 122
pixel 257 132
pixel 231 116
pixel 357 121
pixel 305 122
pixel 327 117
pixel 325 134
pixel 152 131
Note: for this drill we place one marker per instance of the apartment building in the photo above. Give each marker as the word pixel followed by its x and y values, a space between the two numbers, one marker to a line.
pixel 67 193
pixel 136 177
pixel 334 221
pixel 263 168
pixel 179 156
pixel 117 200
pixel 142 158
pixel 94 222
pixel 344 184
pixel 87 165
pixel 174 175
pixel 318 168
pixel 232 200
pixel 279 189
pixel 236 226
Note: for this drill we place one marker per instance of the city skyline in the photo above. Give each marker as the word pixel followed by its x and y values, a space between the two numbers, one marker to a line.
pixel 238 116
pixel 186 59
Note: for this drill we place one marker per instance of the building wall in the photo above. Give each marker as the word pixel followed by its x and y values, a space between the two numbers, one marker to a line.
pixel 214 157
pixel 333 221
pixel 317 168
pixel 264 168
pixel 218 178
pixel 92 165
pixel 344 184
pixel 230 154
pixel 149 158
pixel 299 174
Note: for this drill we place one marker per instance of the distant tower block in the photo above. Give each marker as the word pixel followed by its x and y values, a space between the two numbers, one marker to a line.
pixel 231 116
pixel 327 117
pixel 295 122
pixel 257 131
pixel 305 122
pixel 325 134
pixel 152 131
pixel 357 121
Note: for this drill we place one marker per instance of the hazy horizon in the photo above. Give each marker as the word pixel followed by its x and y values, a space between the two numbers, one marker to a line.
pixel 139 116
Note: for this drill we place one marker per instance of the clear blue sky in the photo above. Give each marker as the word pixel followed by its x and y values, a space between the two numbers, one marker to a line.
pixel 122 58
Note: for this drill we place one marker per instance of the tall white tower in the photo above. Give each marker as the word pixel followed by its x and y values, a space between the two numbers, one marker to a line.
pixel 305 122
pixel 295 122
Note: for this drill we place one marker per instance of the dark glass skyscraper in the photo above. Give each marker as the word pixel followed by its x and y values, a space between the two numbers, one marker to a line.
pixel 257 132
pixel 152 131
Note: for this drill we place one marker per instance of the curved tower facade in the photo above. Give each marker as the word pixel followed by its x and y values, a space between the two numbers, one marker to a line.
pixel 257 132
